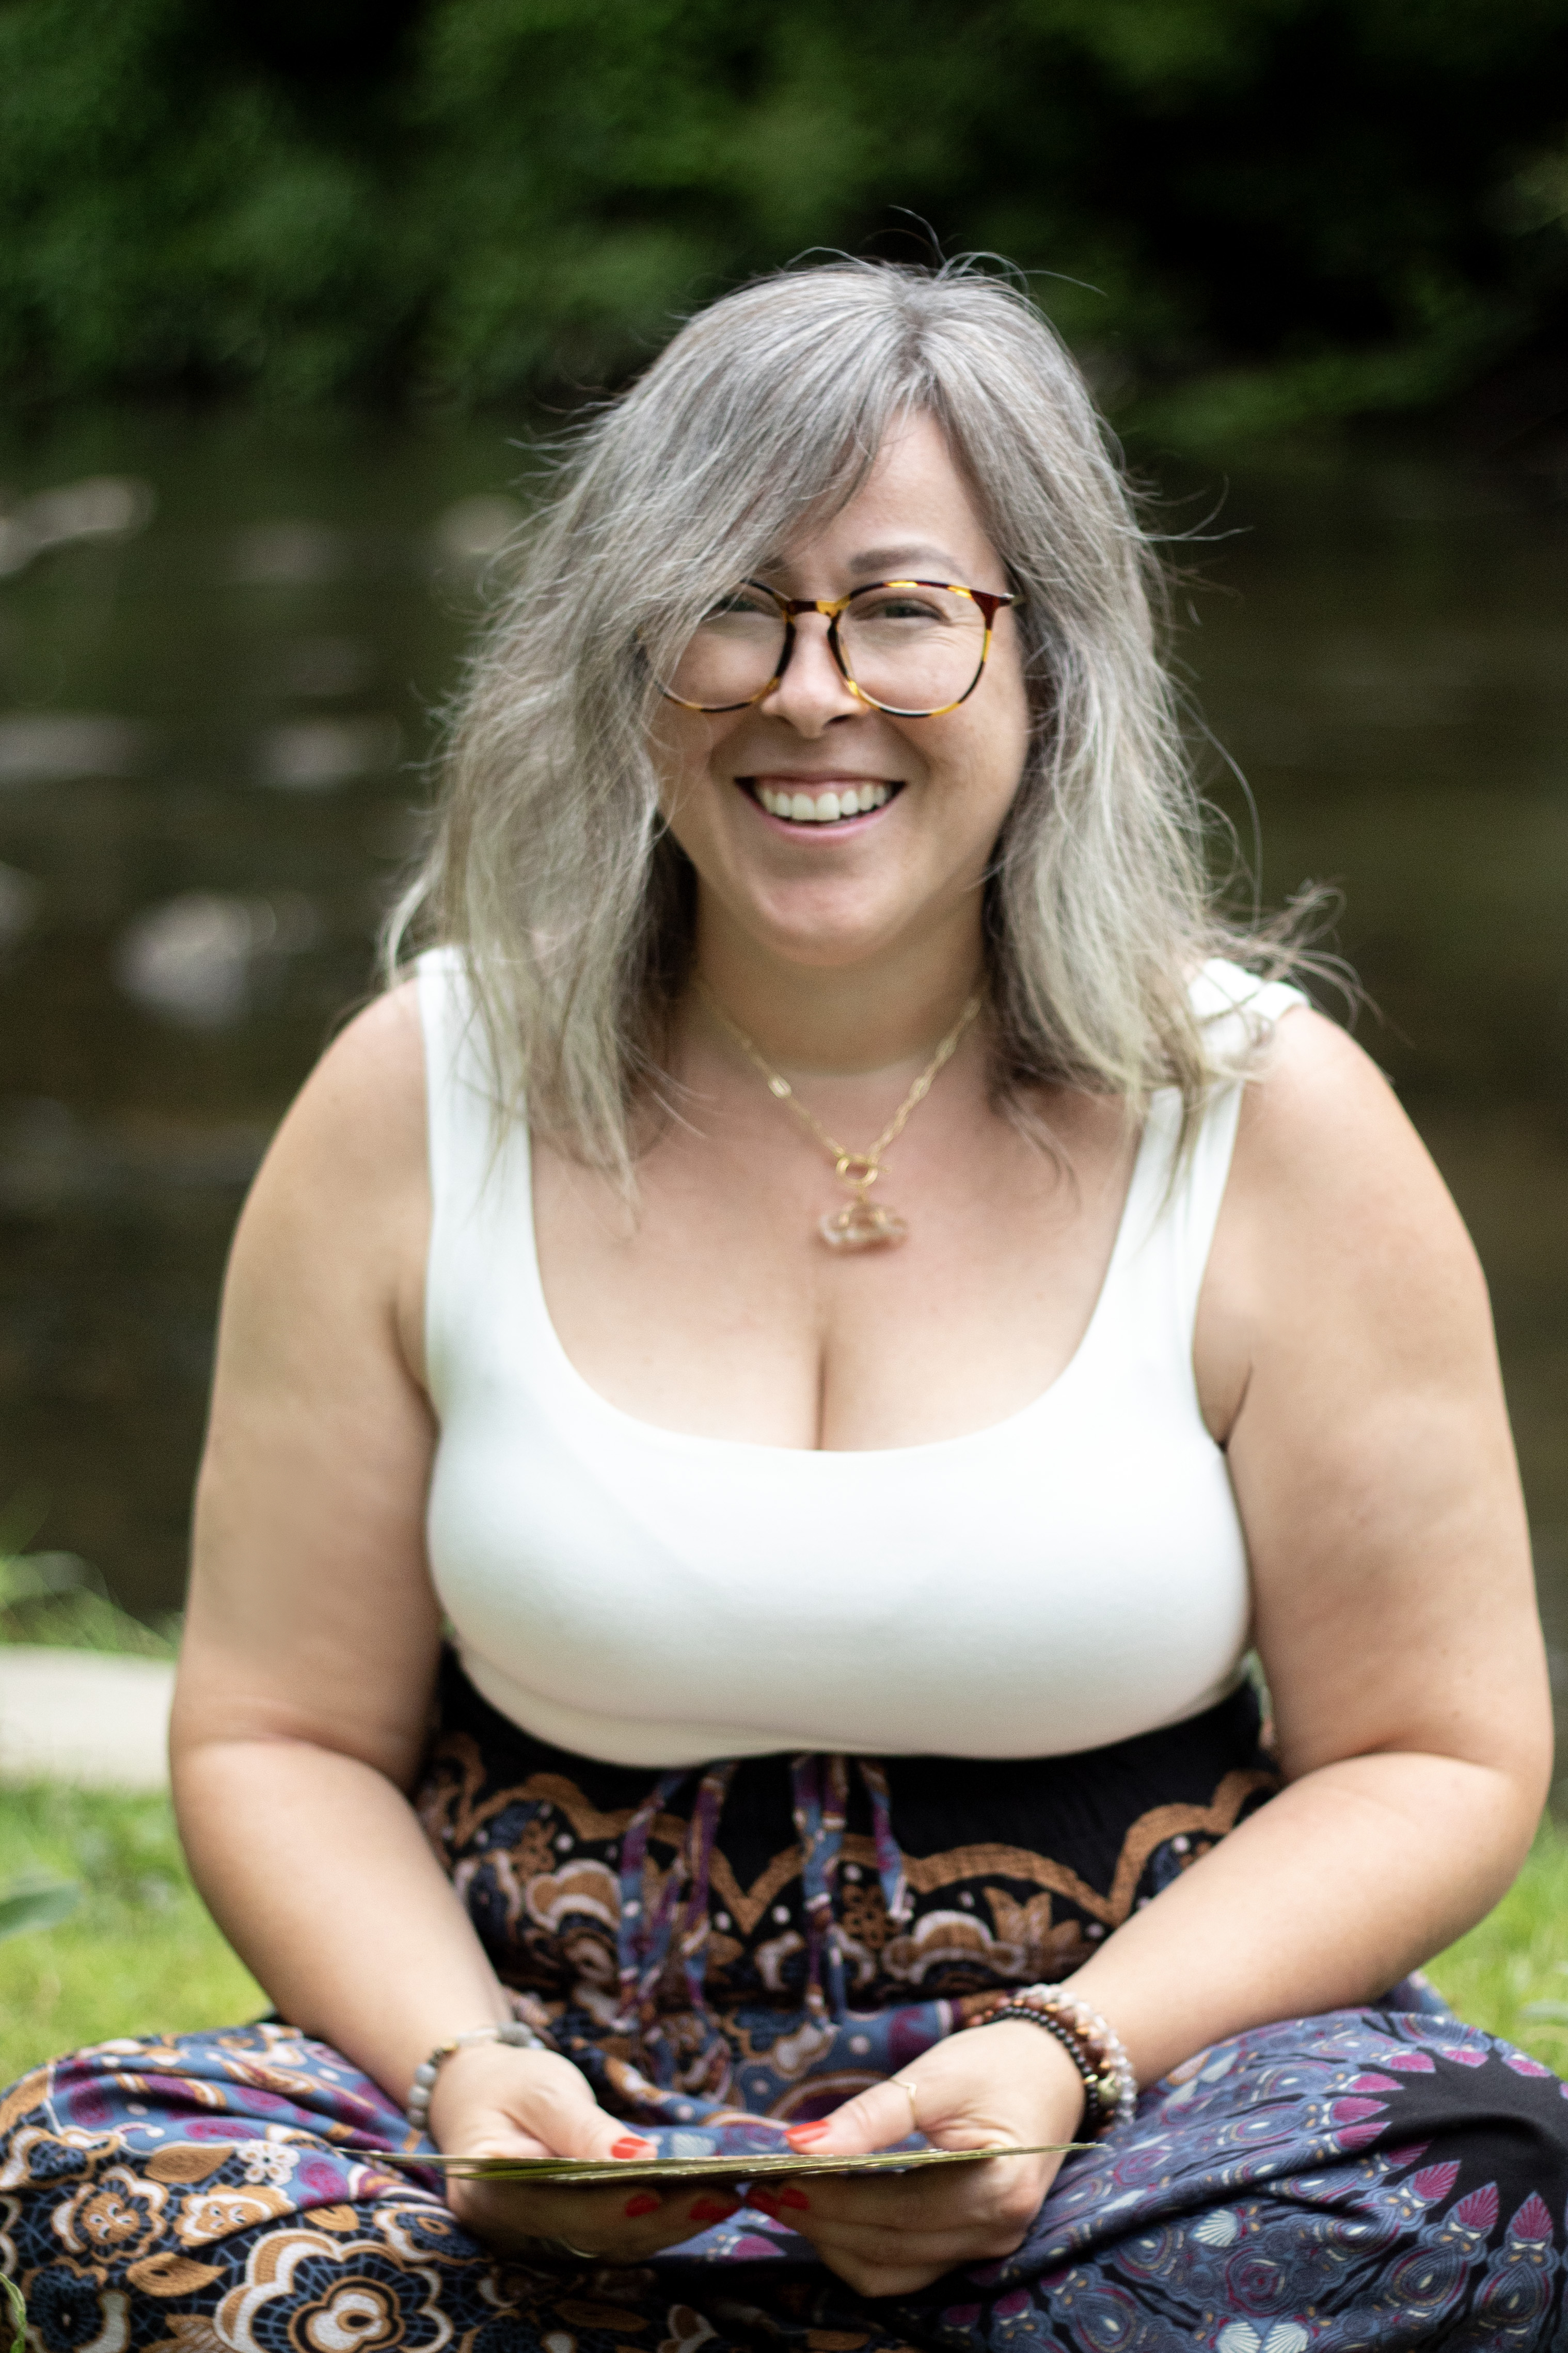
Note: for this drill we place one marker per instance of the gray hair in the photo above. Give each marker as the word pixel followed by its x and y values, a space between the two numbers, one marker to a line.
pixel 551 868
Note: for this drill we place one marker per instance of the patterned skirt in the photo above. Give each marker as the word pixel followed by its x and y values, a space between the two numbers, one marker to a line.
pixel 730 1950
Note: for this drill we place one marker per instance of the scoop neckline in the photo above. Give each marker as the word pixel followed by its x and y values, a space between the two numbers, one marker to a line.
pixel 1122 1248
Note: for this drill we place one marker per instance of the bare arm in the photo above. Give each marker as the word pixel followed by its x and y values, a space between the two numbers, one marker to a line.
pixel 1345 1356
pixel 1345 1351
pixel 304 1701
pixel 313 1632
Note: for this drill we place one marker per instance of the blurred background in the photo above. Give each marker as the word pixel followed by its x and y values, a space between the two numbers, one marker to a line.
pixel 290 290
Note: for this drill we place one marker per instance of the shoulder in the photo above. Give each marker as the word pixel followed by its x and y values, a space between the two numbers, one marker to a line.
pixel 365 1100
pixel 346 1179
pixel 1319 1120
pixel 1228 998
pixel 1321 1133
pixel 1337 1238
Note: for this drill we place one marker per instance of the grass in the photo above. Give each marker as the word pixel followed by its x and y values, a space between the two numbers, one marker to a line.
pixel 1510 1973
pixel 59 1601
pixel 140 1952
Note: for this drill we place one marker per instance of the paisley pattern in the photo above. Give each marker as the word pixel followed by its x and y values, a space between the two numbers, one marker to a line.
pixel 602 1899
pixel 744 1947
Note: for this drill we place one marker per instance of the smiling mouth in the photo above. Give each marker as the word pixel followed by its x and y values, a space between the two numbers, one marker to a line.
pixel 824 805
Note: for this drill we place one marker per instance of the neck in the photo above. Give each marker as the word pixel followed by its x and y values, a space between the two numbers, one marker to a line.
pixel 843 1020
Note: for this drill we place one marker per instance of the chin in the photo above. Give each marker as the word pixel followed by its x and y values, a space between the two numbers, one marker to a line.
pixel 827 950
pixel 822 933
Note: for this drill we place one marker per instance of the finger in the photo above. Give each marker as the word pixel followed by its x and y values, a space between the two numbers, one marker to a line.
pixel 605 2224
pixel 657 2221
pixel 873 2280
pixel 493 2100
pixel 873 2119
pixel 639 2220
pixel 889 2262
pixel 552 2101
pixel 947 2240
pixel 664 2218
pixel 928 2200
pixel 981 2213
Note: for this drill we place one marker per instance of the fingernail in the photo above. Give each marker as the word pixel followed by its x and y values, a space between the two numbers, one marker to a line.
pixel 798 2136
pixel 629 2145
pixel 762 2200
pixel 647 2201
pixel 790 2196
pixel 715 2210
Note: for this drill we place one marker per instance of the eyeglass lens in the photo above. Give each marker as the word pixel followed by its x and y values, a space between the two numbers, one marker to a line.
pixel 911 649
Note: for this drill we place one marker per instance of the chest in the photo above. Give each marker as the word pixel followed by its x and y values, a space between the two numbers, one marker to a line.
pixel 714 1307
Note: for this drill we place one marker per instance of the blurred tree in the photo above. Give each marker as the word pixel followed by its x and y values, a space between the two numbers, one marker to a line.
pixel 1244 211
pixel 319 45
pixel 168 218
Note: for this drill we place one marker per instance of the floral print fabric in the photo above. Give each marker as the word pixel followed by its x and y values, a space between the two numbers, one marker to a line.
pixel 750 1948
pixel 1365 2180
pixel 705 1938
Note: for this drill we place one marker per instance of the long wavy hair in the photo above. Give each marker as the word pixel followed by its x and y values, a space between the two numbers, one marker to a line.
pixel 551 868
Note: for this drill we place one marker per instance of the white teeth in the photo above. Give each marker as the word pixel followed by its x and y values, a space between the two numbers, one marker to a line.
pixel 824 808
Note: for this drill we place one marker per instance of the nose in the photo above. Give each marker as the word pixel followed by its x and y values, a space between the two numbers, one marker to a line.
pixel 813 691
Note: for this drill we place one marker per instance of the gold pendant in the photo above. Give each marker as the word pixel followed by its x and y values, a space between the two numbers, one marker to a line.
pixel 862 1224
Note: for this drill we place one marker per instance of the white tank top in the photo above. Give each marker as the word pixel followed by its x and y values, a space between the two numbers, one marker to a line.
pixel 1072 1576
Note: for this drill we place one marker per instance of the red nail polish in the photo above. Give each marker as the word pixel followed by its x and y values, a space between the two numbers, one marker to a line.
pixel 630 2145
pixel 646 2202
pixel 715 2210
pixel 763 2201
pixel 790 2196
pixel 801 2136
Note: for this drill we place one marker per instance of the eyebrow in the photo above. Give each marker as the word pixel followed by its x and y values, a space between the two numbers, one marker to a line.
pixel 885 562
pixel 895 563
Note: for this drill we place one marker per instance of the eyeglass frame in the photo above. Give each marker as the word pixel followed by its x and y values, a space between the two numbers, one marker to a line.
pixel 989 601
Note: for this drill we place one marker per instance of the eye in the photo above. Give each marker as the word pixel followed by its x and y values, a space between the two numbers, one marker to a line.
pixel 899 604
pixel 742 602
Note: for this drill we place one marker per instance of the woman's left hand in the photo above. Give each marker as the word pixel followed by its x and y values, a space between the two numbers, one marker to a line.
pixel 888 2236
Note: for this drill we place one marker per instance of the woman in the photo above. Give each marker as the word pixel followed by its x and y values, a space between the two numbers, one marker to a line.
pixel 849 1567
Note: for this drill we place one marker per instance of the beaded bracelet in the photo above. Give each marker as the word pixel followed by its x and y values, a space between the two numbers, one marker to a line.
pixel 1111 2087
pixel 418 2107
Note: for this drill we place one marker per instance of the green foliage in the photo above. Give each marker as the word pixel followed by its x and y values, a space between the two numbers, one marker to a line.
pixel 87 1620
pixel 170 217
pixel 45 1907
pixel 1245 211
pixel 1511 1974
pixel 56 1599
pixel 17 2312
pixel 139 1954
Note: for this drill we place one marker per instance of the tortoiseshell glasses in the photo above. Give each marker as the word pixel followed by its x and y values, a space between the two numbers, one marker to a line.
pixel 913 649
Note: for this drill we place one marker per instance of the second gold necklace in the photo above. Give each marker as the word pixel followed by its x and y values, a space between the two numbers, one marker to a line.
pixel 861 1223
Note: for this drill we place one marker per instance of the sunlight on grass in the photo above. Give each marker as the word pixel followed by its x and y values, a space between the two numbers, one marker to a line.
pixel 138 1954
pixel 1516 1961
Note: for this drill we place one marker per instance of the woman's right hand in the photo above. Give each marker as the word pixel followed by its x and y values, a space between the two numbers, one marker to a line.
pixel 491 2099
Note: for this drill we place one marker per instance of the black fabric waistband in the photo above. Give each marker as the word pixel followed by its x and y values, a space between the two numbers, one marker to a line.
pixel 1107 1817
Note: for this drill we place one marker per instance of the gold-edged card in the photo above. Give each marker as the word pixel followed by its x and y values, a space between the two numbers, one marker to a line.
pixel 583 2173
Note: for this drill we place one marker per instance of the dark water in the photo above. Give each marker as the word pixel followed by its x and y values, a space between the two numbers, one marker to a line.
pixel 211 724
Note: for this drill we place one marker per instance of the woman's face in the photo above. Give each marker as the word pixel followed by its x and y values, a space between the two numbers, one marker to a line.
pixel 836 893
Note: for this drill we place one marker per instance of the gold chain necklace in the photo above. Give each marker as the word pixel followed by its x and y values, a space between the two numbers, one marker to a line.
pixel 861 1223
